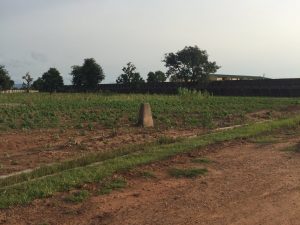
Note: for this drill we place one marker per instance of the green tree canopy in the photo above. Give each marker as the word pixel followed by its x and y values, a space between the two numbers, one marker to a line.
pixel 38 84
pixel 130 76
pixel 156 77
pixel 87 76
pixel 5 82
pixel 51 81
pixel 190 65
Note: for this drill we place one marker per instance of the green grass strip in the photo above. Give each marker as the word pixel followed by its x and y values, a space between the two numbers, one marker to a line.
pixel 81 161
pixel 70 164
pixel 46 186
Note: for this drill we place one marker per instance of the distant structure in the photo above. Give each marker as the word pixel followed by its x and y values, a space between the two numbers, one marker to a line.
pixel 223 77
pixel 13 91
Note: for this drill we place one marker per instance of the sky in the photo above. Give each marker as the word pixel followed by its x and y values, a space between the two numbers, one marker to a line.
pixel 244 37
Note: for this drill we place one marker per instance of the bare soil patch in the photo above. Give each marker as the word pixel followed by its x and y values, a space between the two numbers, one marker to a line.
pixel 246 183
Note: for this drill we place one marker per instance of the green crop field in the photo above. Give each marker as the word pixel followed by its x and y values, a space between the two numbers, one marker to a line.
pixel 30 111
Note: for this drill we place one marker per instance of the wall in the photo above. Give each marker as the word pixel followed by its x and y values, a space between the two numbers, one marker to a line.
pixel 268 87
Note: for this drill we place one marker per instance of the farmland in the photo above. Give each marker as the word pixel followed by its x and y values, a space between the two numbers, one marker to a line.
pixel 86 147
pixel 89 111
pixel 39 129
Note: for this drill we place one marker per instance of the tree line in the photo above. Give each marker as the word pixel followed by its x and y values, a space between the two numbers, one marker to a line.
pixel 190 64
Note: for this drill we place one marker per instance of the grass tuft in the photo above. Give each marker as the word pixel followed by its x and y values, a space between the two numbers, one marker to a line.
pixel 146 175
pixel 166 140
pixel 78 197
pixel 264 140
pixel 115 184
pixel 187 173
pixel 294 148
pixel 202 161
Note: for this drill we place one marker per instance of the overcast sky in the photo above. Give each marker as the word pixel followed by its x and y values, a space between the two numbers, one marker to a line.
pixel 244 37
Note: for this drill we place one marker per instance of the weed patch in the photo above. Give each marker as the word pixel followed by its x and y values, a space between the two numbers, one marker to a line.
pixel 264 140
pixel 202 161
pixel 187 173
pixel 115 184
pixel 146 174
pixel 166 140
pixel 78 196
pixel 294 148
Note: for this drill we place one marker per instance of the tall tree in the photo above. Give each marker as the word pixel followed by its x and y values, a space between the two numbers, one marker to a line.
pixel 38 84
pixel 5 82
pixel 156 77
pixel 87 76
pixel 130 76
pixel 52 80
pixel 27 81
pixel 190 65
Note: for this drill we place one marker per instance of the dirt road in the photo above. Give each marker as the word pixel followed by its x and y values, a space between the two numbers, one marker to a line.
pixel 247 183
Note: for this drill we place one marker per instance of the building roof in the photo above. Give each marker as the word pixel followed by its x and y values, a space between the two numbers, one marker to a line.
pixel 238 76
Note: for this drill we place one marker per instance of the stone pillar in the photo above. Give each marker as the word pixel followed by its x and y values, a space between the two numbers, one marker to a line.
pixel 145 116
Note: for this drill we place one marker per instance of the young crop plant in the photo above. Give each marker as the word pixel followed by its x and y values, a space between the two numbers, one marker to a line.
pixel 36 111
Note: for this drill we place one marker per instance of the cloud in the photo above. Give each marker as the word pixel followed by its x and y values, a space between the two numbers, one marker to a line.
pixel 39 57
pixel 16 63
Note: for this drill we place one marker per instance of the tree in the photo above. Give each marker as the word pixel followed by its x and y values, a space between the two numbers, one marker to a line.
pixel 27 81
pixel 52 80
pixel 38 84
pixel 77 76
pixel 87 76
pixel 190 65
pixel 130 76
pixel 156 77
pixel 5 81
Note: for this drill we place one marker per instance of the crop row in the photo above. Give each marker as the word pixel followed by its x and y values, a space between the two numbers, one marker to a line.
pixel 31 111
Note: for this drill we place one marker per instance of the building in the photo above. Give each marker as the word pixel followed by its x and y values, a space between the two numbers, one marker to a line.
pixel 223 77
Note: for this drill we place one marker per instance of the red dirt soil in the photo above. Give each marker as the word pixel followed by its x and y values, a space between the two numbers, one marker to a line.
pixel 30 149
pixel 247 183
